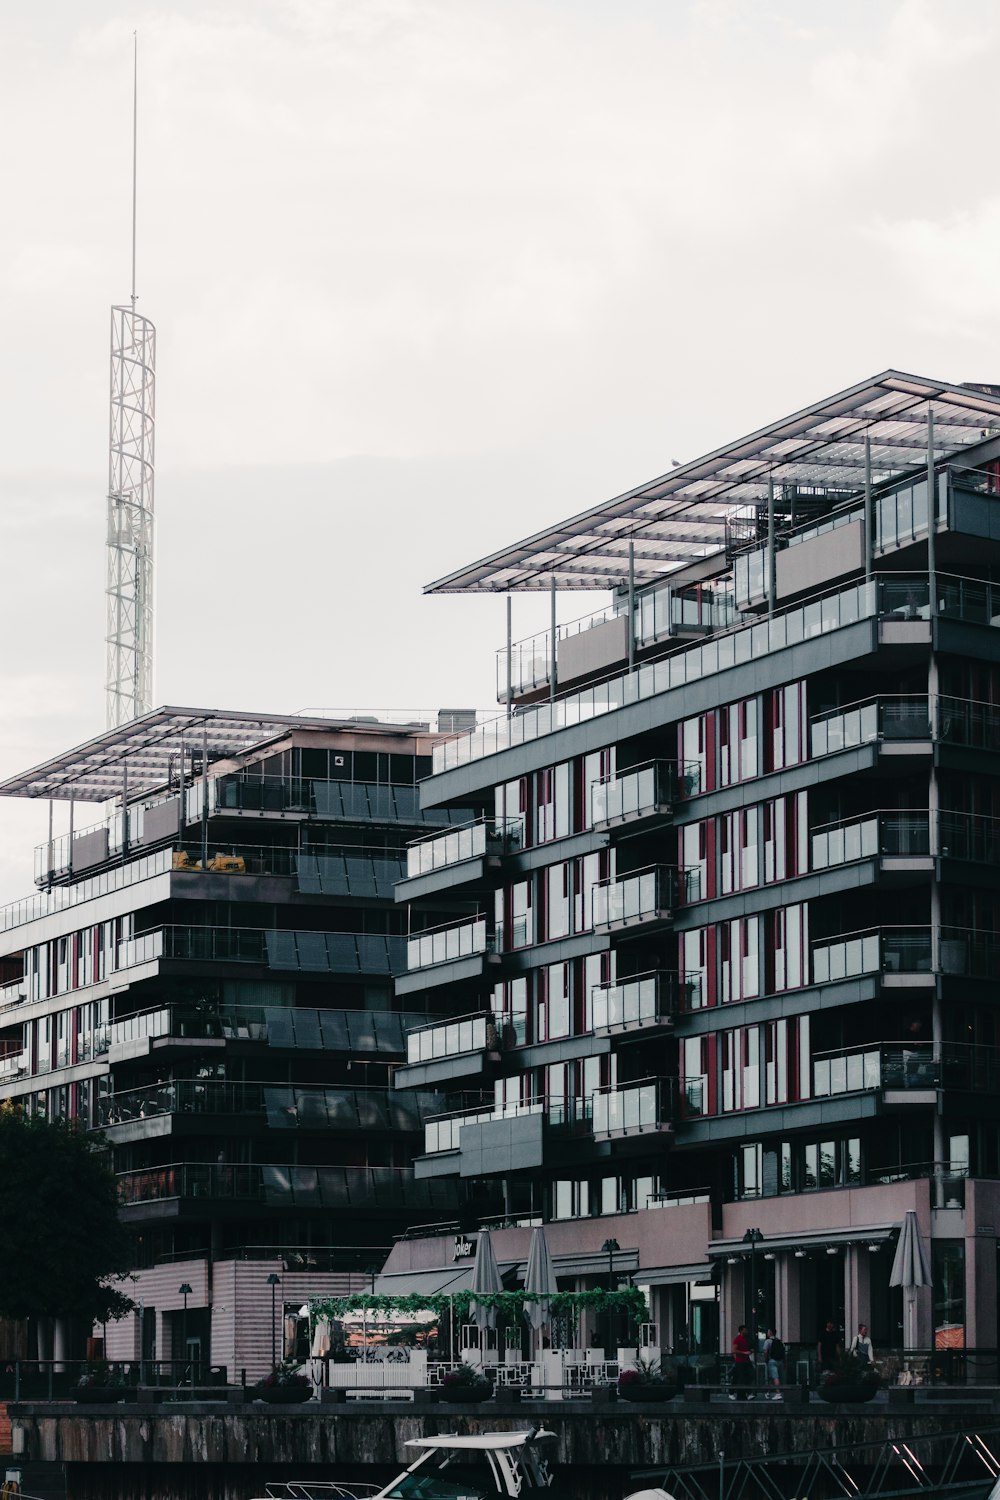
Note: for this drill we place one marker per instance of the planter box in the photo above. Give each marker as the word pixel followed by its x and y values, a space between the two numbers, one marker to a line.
pixel 283 1395
pixel 853 1394
pixel 466 1395
pixel 507 1396
pixel 603 1395
pixel 99 1395
pixel 648 1394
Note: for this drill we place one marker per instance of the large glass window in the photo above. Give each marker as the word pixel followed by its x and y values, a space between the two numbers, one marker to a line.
pixel 948 1274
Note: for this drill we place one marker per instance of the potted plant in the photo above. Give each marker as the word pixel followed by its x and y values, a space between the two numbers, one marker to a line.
pixel 466 1384
pixel 645 1381
pixel 100 1383
pixel 283 1386
pixel 851 1379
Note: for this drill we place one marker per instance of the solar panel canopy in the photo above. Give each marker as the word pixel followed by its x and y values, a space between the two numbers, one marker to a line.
pixel 681 517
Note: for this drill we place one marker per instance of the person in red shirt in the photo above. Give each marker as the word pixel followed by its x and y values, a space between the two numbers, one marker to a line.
pixel 742 1366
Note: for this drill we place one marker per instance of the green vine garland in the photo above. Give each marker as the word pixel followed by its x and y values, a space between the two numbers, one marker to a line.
pixel 629 1300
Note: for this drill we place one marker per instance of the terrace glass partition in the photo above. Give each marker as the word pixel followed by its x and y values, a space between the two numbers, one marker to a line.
pixel 447 944
pixel 633 1002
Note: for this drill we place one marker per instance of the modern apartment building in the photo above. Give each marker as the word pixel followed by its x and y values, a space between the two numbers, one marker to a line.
pixel 730 977
pixel 205 975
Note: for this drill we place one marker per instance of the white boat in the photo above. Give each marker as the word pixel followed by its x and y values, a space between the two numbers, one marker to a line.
pixel 484 1466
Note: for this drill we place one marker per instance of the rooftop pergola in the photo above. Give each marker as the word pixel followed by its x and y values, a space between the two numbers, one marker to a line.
pixel 144 753
pixel 681 517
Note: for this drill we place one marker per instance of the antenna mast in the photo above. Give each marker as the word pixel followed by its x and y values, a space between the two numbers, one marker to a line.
pixel 129 586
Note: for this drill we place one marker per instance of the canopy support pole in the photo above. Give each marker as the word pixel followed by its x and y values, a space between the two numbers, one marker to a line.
pixel 770 544
pixel 510 655
pixel 869 518
pixel 631 606
pixel 553 673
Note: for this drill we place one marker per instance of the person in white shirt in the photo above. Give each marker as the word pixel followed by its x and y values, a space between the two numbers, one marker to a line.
pixel 861 1346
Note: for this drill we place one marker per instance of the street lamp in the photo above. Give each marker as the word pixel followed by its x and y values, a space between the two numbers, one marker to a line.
pixel 185 1291
pixel 609 1247
pixel 273 1281
pixel 753 1238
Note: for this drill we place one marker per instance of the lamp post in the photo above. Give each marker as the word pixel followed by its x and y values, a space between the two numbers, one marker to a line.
pixel 185 1291
pixel 753 1238
pixel 609 1247
pixel 273 1281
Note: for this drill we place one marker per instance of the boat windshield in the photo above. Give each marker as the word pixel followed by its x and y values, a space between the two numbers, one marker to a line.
pixel 456 1475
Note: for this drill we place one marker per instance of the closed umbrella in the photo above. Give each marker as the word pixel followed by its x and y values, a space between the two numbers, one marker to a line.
pixel 910 1270
pixel 539 1282
pixel 485 1279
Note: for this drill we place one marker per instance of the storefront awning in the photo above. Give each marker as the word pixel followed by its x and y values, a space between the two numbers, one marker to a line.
pixel 433 1283
pixel 673 1275
pixel 874 1234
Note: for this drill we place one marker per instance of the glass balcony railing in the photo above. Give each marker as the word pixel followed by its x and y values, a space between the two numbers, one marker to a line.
pixel 646 1000
pixel 649 895
pixel 12 1065
pixel 900 950
pixel 445 945
pixel 356 1032
pixel 560 1113
pixel 748 643
pixel 659 613
pixel 454 1038
pixel 283 1106
pixel 646 1105
pixel 641 792
pixel 880 835
pixel 898 718
pixel 474 841
pixel 361 1188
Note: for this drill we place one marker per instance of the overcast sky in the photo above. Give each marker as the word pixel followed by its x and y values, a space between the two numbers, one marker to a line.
pixel 428 275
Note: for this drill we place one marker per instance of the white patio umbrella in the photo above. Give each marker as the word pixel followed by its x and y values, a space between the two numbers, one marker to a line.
pixel 539 1281
pixel 485 1278
pixel 910 1270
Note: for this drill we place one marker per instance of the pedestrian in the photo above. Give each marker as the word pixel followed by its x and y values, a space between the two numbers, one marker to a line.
pixel 774 1355
pixel 742 1366
pixel 861 1347
pixel 828 1348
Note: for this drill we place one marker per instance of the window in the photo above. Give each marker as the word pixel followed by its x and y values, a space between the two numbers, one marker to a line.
pixel 694 968
pixel 695 1063
pixel 557 901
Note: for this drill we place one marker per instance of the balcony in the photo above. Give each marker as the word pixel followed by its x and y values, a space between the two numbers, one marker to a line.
pixel 357 1032
pixel 646 897
pixel 647 1002
pixel 889 950
pixel 880 835
pixel 454 1038
pixel 487 838
pixel 907 951
pixel 735 647
pixel 634 1108
pixel 659 614
pixel 363 1189
pixel 870 722
pixel 445 945
pixel 887 1066
pixel 561 1114
pixel 279 1106
pixel 306 952
pixel 648 791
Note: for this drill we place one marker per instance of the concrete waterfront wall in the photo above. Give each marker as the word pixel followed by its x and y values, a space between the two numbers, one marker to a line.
pixel 208 1452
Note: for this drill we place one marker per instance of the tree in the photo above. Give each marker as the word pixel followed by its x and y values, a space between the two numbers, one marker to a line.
pixel 61 1241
